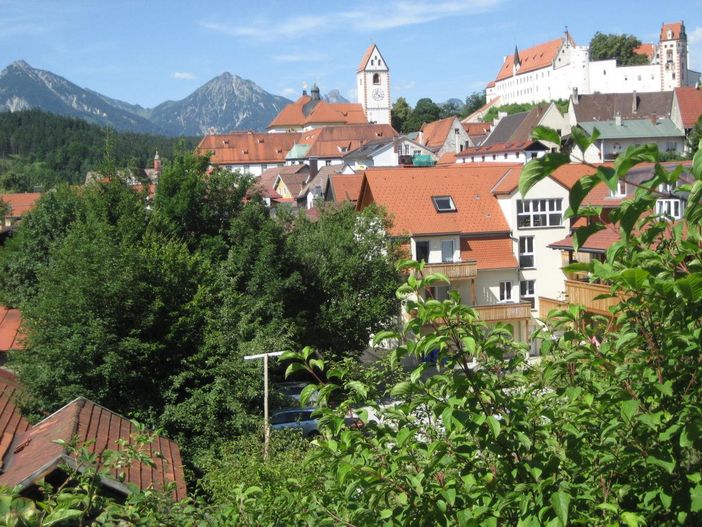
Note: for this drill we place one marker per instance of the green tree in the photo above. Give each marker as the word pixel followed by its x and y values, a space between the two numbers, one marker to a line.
pixel 620 47
pixel 399 114
pixel 347 263
pixel 474 102
pixel 425 111
pixel 695 137
pixel 509 109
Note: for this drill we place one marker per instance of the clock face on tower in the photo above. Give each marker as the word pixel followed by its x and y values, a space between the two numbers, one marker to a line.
pixel 378 94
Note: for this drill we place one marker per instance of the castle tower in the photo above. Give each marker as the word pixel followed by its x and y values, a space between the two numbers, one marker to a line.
pixel 373 86
pixel 672 56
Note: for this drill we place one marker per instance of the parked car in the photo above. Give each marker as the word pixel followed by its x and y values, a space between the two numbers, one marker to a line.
pixel 295 418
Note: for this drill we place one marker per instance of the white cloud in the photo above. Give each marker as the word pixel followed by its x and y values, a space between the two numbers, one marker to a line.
pixel 387 15
pixel 183 75
pixel 287 92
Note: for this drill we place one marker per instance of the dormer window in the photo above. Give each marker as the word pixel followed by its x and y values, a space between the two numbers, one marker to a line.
pixel 443 204
pixel 620 191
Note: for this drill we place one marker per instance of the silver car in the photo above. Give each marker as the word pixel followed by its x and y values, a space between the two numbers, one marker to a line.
pixel 295 418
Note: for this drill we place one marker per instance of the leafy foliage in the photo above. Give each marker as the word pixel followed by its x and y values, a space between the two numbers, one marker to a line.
pixel 619 47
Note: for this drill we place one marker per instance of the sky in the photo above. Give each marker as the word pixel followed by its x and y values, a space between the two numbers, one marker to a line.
pixel 149 51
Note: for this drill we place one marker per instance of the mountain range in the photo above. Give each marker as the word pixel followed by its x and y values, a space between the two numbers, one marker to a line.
pixel 225 103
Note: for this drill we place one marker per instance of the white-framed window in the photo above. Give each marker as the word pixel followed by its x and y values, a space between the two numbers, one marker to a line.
pixel 447 251
pixel 526 292
pixel 673 208
pixel 505 291
pixel 533 213
pixel 526 252
pixel 620 191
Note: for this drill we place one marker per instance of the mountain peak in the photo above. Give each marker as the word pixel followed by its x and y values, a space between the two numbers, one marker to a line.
pixel 21 64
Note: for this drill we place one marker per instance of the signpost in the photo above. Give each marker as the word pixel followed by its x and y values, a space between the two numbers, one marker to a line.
pixel 266 424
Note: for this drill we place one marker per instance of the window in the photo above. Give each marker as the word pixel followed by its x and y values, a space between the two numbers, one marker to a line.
pixel 505 291
pixel 447 251
pixel 526 251
pixel 422 251
pixel 539 213
pixel 438 292
pixel 673 208
pixel 526 292
pixel 327 162
pixel 376 78
pixel 443 204
pixel 264 166
pixel 620 191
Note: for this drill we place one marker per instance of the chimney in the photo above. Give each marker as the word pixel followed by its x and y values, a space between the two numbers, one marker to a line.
pixel 654 118
pixel 634 102
pixel 314 92
pixel 304 89
pixel 157 162
pixel 618 119
pixel 575 95
pixel 313 168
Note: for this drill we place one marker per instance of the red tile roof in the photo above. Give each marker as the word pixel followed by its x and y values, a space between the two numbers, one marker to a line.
pixel 10 336
pixel 494 252
pixel 531 59
pixel 449 158
pixel 33 454
pixel 247 147
pixel 345 187
pixel 264 183
pixel 406 193
pixel 676 27
pixel 337 141
pixel 434 134
pixel 597 242
pixel 12 422
pixel 500 148
pixel 477 128
pixel 648 50
pixel 299 115
pixel 21 203
pixel 690 104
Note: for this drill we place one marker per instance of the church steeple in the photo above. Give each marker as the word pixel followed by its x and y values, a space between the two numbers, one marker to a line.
pixel 373 86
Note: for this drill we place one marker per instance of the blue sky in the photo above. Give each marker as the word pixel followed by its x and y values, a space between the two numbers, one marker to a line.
pixel 149 51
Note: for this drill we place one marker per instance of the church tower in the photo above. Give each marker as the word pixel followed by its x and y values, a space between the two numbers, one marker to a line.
pixel 373 86
pixel 672 54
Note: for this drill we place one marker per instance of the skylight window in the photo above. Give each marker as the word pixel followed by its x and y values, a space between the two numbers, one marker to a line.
pixel 443 204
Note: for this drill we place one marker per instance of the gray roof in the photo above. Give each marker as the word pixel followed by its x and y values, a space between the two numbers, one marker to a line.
pixel 634 129
pixel 505 129
pixel 605 106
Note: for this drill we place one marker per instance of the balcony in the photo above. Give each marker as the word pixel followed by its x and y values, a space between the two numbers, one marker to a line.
pixel 584 293
pixel 547 304
pixel 504 312
pixel 453 270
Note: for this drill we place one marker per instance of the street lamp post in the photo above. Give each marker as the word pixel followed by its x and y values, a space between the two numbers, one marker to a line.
pixel 266 424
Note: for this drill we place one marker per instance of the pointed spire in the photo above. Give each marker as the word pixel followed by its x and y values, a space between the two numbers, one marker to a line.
pixel 517 61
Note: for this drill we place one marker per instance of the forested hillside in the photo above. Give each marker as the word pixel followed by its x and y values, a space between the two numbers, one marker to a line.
pixel 39 150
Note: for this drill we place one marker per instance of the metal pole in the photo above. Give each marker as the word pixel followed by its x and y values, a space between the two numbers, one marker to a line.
pixel 266 424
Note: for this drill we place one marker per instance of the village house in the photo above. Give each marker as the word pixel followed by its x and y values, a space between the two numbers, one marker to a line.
pixel 686 109
pixel 576 287
pixel 617 135
pixel 444 135
pixel 387 152
pixel 18 205
pixel 448 217
pixel 342 188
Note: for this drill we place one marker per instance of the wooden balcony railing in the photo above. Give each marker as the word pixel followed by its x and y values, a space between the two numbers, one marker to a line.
pixel 547 304
pixel 584 293
pixel 504 312
pixel 453 270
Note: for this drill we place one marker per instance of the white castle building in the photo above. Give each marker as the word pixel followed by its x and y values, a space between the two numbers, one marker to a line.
pixel 556 69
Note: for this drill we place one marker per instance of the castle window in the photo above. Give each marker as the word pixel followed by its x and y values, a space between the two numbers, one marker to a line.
pixel 376 78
